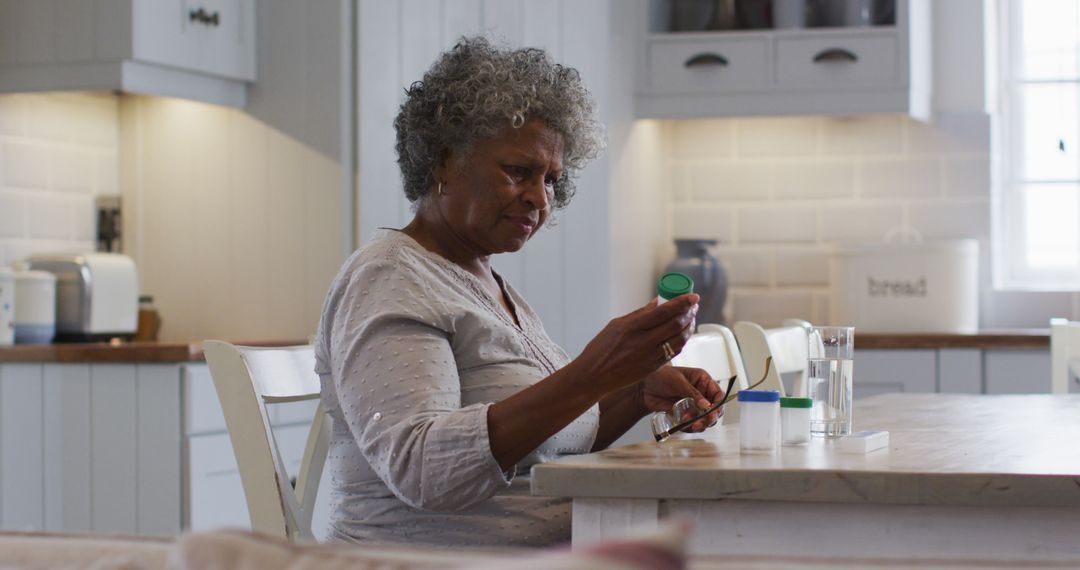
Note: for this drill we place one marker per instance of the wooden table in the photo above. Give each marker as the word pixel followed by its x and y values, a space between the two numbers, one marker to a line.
pixel 992 477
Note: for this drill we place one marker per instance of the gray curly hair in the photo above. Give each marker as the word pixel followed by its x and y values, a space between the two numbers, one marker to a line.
pixel 474 90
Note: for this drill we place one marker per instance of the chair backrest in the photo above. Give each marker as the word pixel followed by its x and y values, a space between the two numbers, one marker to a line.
pixel 1064 355
pixel 713 348
pixel 247 379
pixel 787 345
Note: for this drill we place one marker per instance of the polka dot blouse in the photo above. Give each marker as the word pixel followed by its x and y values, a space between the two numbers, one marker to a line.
pixel 411 351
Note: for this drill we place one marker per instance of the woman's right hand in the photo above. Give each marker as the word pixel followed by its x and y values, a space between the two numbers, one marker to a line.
pixel 632 346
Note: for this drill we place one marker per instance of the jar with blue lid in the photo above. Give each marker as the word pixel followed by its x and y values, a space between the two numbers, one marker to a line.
pixel 759 421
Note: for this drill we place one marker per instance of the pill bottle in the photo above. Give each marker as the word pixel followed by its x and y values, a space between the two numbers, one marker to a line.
pixel 673 284
pixel 759 421
pixel 795 420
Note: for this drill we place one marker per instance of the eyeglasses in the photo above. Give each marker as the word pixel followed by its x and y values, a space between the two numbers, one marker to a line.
pixel 662 427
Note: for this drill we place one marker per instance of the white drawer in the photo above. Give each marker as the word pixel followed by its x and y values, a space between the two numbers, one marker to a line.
pixel 708 65
pixel 837 62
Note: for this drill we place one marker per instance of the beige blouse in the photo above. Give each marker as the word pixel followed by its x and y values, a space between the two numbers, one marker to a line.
pixel 411 351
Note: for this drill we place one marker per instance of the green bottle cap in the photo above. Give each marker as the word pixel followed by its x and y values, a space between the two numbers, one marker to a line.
pixel 673 284
pixel 796 403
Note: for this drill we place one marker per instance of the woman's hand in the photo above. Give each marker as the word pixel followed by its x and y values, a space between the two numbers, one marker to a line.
pixel 669 384
pixel 632 346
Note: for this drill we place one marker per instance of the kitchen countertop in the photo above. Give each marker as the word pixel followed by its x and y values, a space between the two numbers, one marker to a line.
pixel 103 352
pixel 944 449
pixel 984 339
pixel 191 351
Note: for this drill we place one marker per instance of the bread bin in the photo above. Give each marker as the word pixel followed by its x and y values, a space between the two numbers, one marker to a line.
pixel 929 287
pixel 97 295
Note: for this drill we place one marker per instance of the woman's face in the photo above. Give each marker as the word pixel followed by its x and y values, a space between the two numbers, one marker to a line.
pixel 496 196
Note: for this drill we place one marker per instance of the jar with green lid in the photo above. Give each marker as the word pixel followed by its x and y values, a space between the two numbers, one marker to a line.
pixel 673 284
pixel 795 420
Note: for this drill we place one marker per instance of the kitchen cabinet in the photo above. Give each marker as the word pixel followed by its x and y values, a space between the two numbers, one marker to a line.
pixel 839 71
pixel 127 448
pixel 194 49
pixel 952 370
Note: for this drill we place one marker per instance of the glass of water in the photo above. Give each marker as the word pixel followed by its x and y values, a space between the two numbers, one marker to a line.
pixel 829 377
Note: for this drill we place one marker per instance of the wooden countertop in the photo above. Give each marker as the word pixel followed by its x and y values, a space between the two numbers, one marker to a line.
pixel 191 351
pixel 103 352
pixel 945 449
pixel 984 339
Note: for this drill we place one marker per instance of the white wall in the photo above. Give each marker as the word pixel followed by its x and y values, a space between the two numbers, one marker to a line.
pixel 57 151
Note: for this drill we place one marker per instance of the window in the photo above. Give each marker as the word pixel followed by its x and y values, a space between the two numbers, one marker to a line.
pixel 1037 197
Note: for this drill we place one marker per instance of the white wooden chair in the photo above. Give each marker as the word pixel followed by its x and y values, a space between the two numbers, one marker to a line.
pixel 713 348
pixel 787 345
pixel 247 379
pixel 1064 355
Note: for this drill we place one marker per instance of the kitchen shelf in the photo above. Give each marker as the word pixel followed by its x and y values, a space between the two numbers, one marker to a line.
pixel 808 71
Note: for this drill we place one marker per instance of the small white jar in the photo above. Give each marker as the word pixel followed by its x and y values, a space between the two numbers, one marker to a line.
pixel 673 284
pixel 795 420
pixel 759 421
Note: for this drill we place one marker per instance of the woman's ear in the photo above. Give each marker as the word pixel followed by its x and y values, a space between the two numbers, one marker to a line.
pixel 441 172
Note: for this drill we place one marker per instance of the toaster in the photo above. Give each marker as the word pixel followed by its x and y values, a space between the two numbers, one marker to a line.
pixel 97 295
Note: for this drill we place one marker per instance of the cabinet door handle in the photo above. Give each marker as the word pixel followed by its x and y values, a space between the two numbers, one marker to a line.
pixel 704 59
pixel 835 54
pixel 203 17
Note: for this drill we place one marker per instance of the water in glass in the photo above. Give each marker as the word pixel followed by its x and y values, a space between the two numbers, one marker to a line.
pixel 829 384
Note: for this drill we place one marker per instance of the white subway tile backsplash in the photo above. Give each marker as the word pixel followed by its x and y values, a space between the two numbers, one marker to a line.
pixel 54 141
pixel 11 115
pixel 49 216
pixel 777 224
pixel 12 214
pixel 730 181
pixel 903 178
pixel 108 173
pixel 820 313
pixel 770 308
pixel 967 176
pixel 83 218
pixel 950 133
pixel 859 222
pixel 862 135
pixel 778 136
pixel 814 179
pixel 49 116
pixel 74 170
pixel 807 267
pixel 703 222
pixel 746 268
pixel 709 138
pixel 951 219
pixel 26 165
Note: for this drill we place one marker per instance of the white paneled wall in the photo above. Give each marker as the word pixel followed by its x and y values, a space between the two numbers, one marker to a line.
pixel 57 151
pixel 567 272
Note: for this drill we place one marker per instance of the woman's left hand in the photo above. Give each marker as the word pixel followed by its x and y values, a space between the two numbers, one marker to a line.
pixel 669 384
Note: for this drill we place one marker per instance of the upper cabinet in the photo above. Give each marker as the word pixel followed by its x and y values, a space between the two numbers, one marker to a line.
pixel 193 49
pixel 880 67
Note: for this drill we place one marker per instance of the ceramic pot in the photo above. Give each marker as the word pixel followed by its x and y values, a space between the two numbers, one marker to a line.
pixel 710 280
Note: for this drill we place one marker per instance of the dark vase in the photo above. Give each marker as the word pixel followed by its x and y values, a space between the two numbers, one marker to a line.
pixel 710 279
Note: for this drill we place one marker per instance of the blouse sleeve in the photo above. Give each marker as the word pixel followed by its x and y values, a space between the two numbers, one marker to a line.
pixel 397 384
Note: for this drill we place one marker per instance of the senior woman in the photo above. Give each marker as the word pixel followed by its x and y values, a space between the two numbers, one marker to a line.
pixel 442 384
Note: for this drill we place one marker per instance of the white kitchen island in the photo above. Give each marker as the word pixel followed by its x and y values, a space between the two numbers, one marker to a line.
pixel 964 477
